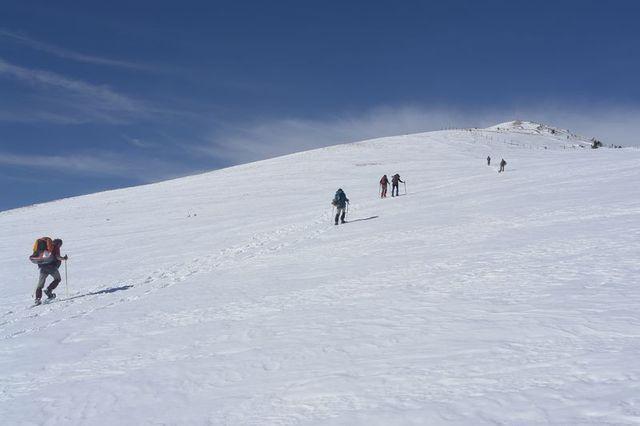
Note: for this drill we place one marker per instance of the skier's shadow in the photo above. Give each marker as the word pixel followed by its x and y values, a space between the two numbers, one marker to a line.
pixel 360 220
pixel 105 291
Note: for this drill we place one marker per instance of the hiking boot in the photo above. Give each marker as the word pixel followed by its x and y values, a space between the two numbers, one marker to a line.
pixel 50 294
pixel 37 302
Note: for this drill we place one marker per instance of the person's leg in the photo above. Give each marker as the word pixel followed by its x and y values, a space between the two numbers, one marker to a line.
pixel 344 212
pixel 41 281
pixel 337 215
pixel 56 280
pixel 384 191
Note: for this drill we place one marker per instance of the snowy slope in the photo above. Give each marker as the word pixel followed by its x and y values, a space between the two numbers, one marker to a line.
pixel 230 297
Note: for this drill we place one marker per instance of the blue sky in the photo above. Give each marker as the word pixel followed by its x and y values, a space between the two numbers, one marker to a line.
pixel 98 95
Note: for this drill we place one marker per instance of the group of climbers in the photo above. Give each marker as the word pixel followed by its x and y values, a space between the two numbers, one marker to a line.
pixel 46 252
pixel 384 184
pixel 502 164
pixel 340 200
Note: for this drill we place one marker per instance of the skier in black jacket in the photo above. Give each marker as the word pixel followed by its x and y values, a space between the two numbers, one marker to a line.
pixel 502 164
pixel 395 179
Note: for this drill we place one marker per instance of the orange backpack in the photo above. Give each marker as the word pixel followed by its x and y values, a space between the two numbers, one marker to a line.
pixel 42 251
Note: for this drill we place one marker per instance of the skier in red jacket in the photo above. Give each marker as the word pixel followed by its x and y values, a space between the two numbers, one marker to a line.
pixel 384 183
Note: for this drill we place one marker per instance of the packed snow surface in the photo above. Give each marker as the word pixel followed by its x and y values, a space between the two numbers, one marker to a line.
pixel 231 298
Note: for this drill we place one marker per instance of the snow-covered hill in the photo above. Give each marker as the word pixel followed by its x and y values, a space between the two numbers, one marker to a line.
pixel 540 135
pixel 231 298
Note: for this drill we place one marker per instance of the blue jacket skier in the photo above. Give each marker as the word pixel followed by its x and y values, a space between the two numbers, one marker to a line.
pixel 340 202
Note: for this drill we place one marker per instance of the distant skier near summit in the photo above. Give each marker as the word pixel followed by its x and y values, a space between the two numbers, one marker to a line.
pixel 488 160
pixel 502 164
pixel 340 202
pixel 384 184
pixel 394 184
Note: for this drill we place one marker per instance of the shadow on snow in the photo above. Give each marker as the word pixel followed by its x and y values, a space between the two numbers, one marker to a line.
pixel 105 291
pixel 358 220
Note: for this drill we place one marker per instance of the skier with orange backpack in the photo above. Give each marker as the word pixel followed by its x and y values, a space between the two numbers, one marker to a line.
pixel 46 254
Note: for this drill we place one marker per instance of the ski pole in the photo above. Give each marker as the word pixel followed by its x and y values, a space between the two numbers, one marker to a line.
pixel 405 187
pixel 66 280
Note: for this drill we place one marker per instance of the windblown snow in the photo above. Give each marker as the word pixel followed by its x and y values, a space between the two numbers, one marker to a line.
pixel 231 298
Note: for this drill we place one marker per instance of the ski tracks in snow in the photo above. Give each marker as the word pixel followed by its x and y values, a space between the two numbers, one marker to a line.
pixel 18 320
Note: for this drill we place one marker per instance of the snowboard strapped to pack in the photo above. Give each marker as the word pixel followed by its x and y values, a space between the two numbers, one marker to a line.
pixel 42 251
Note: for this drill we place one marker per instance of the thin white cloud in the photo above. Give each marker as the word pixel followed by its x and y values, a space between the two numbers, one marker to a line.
pixel 142 170
pixel 139 143
pixel 69 100
pixel 66 53
pixel 28 115
pixel 107 98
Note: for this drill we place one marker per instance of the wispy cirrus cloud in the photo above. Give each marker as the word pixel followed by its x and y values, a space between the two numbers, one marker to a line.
pixel 29 115
pixel 69 99
pixel 107 98
pixel 106 164
pixel 139 142
pixel 69 54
